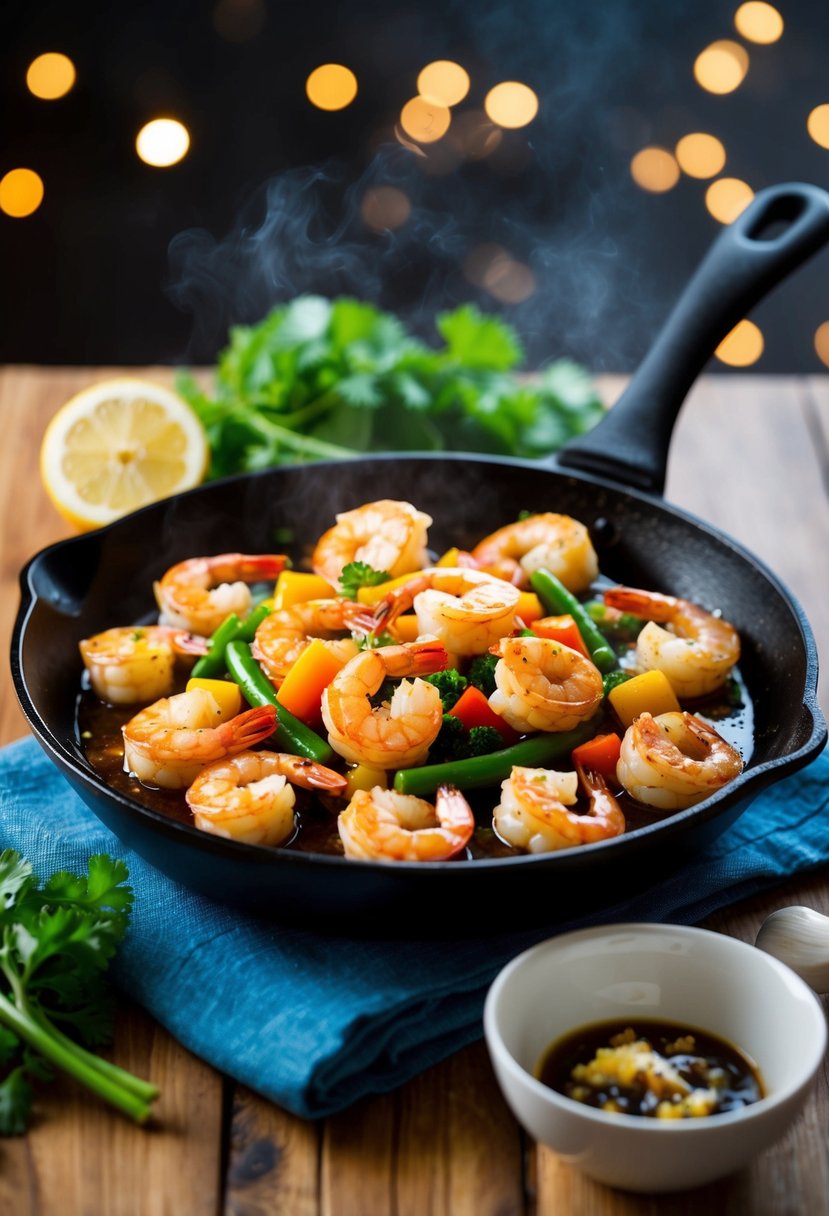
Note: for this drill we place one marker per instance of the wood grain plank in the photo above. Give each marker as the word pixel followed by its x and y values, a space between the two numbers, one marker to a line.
pixel 445 1144
pixel 744 460
pixel 273 1160
pixel 80 1158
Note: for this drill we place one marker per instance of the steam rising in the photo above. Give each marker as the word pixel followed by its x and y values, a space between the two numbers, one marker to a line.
pixel 556 196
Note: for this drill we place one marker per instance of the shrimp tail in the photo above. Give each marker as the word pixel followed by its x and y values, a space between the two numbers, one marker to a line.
pixel 428 657
pixel 651 605
pixel 252 726
pixel 311 775
pixel 184 642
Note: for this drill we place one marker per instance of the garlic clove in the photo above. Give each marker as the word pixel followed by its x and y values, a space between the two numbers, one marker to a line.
pixel 799 937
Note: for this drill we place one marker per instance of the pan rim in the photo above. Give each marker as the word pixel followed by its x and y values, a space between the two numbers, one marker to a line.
pixel 744 788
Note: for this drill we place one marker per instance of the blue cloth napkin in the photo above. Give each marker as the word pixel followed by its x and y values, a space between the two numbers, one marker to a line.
pixel 313 1023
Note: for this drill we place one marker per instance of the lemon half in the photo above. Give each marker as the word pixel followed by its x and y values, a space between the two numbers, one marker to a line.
pixel 119 445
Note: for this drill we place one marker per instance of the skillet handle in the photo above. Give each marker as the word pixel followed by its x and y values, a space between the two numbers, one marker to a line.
pixel 754 253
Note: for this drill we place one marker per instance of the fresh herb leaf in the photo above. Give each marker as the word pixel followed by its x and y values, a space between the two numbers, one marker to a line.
pixel 321 379
pixel 56 942
pixel 360 574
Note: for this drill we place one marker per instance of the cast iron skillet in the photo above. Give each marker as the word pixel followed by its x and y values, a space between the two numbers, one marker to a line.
pixel 611 479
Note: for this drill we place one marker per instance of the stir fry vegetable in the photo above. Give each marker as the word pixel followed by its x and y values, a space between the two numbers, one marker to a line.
pixel 383 684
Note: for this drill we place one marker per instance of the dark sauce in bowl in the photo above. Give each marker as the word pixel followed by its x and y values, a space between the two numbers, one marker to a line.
pixel 652 1068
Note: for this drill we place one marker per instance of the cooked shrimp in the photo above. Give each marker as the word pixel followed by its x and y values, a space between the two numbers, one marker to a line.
pixel 696 650
pixel 134 662
pixel 382 825
pixel 197 594
pixel 399 732
pixel 559 543
pixel 536 810
pixel 387 535
pixel 250 796
pixel 675 760
pixel 284 634
pixel 543 685
pixel 171 741
pixel 467 610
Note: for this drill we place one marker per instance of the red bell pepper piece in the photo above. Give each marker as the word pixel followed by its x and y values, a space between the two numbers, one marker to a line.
pixel 473 709
pixel 561 629
pixel 601 753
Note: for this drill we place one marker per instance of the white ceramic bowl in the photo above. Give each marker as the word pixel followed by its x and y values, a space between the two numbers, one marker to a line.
pixel 690 976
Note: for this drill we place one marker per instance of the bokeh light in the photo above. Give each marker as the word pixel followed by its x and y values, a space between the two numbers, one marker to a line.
pixel 511 104
pixel 50 76
pixel 425 120
pixel 700 155
pixel 742 347
pixel 727 197
pixel 758 22
pixel 822 342
pixel 331 86
pixel 721 67
pixel 443 81
pixel 817 124
pixel 384 208
pixel 21 192
pixel 655 169
pixel 492 268
pixel 162 142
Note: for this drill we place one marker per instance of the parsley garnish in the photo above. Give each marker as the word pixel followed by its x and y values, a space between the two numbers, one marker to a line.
pixel 56 942
pixel 323 379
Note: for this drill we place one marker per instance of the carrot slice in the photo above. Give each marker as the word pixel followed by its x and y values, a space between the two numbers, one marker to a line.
pixel 473 709
pixel 561 629
pixel 601 754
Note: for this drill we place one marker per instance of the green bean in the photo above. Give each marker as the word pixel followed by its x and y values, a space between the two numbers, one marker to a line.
pixel 477 771
pixel 291 734
pixel 211 664
pixel 557 599
pixel 232 629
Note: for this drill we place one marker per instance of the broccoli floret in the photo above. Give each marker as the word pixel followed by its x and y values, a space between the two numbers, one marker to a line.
pixel 450 684
pixel 454 742
pixel 483 740
pixel 481 673
pixel 450 743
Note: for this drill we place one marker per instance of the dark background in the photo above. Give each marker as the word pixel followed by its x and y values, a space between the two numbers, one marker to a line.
pixel 124 263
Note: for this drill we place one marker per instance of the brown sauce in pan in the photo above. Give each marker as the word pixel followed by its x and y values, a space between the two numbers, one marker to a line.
pixel 99 730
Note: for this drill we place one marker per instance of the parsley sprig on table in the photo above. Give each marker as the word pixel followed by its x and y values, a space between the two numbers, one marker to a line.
pixel 319 379
pixel 56 942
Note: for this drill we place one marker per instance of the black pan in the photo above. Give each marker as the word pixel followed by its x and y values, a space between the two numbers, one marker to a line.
pixel 611 479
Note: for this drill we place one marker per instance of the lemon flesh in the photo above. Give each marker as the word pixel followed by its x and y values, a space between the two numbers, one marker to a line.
pixel 118 446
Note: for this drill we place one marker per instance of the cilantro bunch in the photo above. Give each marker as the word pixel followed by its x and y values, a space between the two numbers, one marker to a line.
pixel 56 942
pixel 320 379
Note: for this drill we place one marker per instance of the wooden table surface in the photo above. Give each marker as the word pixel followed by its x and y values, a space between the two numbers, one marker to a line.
pixel 751 456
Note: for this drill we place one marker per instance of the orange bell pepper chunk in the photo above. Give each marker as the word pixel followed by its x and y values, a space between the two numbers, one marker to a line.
pixel 308 677
pixel 473 709
pixel 561 629
pixel 601 754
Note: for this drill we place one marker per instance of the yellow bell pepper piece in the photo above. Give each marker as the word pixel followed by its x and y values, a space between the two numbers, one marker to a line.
pixel 449 558
pixel 649 692
pixel 364 777
pixel 405 628
pixel 226 694
pixel 373 595
pixel 529 607
pixel 308 677
pixel 295 587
